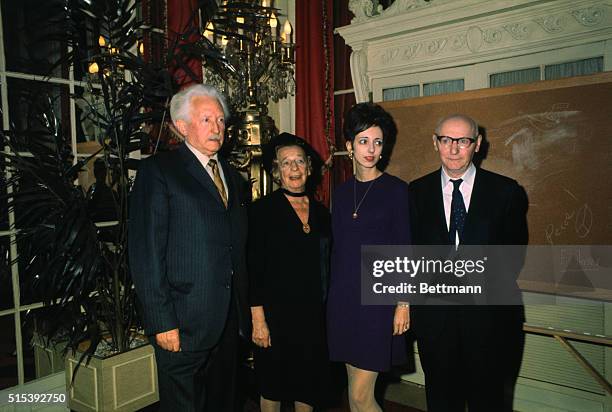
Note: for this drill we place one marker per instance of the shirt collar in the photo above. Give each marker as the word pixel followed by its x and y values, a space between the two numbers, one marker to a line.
pixel 201 156
pixel 468 176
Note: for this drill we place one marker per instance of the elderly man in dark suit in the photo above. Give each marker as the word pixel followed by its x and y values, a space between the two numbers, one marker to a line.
pixel 187 255
pixel 470 354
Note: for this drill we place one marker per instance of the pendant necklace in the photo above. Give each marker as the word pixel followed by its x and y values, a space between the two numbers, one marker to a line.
pixel 305 226
pixel 356 205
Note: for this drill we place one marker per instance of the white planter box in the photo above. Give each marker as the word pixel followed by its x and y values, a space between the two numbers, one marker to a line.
pixel 123 382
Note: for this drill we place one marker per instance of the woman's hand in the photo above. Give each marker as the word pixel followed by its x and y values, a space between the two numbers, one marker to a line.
pixel 261 333
pixel 401 320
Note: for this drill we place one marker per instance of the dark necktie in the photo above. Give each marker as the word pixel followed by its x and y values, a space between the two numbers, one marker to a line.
pixel 218 181
pixel 458 213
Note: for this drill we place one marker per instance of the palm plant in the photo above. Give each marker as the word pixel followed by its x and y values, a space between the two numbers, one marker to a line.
pixel 80 272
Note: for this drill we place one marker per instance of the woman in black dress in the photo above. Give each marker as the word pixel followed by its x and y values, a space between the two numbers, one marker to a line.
pixel 288 255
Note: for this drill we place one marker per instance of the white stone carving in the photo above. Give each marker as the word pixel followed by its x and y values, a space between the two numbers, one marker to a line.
pixel 363 9
pixel 590 16
pixel 413 36
pixel 389 56
pixel 401 6
pixel 435 46
pixel 458 42
pixel 397 54
pixel 551 24
pixel 492 36
pixel 359 71
pixel 474 38
pixel 518 31
pixel 411 51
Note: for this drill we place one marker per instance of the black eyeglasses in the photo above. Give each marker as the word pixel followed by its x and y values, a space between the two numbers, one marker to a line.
pixel 462 142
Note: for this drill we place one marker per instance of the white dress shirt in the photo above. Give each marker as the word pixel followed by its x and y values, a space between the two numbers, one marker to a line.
pixel 465 188
pixel 204 161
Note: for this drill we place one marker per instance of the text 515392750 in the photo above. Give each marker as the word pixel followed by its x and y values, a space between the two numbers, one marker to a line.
pixel 32 398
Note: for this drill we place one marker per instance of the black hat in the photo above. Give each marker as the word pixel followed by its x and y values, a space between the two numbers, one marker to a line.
pixel 287 139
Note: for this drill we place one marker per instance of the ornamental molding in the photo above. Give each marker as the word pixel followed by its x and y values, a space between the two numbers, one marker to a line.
pixel 492 36
pixel 552 24
pixel 438 34
pixel 591 16
pixel 403 6
pixel 518 31
pixel 364 10
pixel 478 38
pixel 458 42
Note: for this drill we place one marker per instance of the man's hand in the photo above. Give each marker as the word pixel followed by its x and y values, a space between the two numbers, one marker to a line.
pixel 401 320
pixel 169 340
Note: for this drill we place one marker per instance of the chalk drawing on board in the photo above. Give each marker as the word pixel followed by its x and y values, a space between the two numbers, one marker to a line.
pixel 528 135
pixel 579 218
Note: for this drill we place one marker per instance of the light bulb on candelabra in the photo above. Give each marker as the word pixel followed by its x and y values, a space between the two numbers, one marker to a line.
pixel 224 41
pixel 264 3
pixel 287 29
pixel 208 33
pixel 93 68
pixel 240 20
pixel 273 24
pixel 141 47
pixel 101 41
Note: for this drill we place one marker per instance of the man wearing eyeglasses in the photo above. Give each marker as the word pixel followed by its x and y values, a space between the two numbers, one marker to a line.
pixel 471 355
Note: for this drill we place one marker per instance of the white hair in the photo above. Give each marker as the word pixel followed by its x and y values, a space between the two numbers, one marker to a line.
pixel 180 104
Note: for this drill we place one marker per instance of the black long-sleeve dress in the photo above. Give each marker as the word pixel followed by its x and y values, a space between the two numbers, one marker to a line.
pixel 288 271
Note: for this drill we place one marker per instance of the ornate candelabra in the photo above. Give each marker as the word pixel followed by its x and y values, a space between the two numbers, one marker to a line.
pixel 256 66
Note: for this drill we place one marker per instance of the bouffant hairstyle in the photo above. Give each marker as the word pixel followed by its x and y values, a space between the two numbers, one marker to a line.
pixel 361 117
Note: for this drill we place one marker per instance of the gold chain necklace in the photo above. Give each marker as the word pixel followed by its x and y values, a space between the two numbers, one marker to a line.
pixel 356 205
pixel 305 226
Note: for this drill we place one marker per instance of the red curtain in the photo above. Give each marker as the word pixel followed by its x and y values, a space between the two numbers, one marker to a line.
pixel 183 21
pixel 343 166
pixel 314 119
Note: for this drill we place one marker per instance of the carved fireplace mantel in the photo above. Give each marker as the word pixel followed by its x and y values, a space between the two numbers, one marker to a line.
pixel 413 36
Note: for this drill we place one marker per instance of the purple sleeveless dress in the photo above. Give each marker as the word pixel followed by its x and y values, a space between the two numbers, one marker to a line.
pixel 363 335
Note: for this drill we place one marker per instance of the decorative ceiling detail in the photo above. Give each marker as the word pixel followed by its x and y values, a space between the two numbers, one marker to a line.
pixel 412 36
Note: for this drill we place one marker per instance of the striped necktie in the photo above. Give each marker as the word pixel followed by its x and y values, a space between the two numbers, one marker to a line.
pixel 218 181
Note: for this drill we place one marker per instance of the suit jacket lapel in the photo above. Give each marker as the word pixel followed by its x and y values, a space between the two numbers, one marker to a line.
pixel 195 169
pixel 477 203
pixel 437 208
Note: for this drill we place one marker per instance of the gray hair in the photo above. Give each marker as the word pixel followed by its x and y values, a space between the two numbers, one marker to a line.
pixel 181 102
pixel 458 116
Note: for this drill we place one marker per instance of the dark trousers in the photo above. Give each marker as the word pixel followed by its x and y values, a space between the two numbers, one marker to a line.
pixel 222 368
pixel 180 376
pixel 471 363
pixel 204 380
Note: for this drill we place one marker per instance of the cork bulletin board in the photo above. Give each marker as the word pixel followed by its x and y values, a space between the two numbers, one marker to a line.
pixel 553 137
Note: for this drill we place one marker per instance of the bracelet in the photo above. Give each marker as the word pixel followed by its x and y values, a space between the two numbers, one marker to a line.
pixel 403 305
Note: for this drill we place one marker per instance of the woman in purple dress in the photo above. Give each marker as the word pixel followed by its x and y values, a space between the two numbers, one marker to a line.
pixel 370 208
